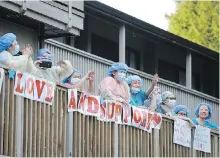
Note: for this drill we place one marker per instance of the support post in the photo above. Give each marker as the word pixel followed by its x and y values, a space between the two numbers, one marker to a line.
pixel 19 126
pixel 192 151
pixel 188 70
pixel 69 25
pixel 156 143
pixel 41 35
pixel 122 46
pixel 69 135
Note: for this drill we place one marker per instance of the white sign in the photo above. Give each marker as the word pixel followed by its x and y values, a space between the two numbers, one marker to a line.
pixel 182 133
pixel 202 139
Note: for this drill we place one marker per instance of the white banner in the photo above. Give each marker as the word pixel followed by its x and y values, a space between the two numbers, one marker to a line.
pixel 182 133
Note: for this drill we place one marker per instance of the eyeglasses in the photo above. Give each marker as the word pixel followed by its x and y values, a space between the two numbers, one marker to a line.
pixel 171 98
pixel 121 71
pixel 181 114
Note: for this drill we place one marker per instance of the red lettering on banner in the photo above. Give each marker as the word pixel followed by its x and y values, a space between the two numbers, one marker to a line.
pixel 144 118
pixel 102 111
pixel 126 113
pixel 111 110
pixel 19 88
pixel 30 85
pixel 72 103
pixel 137 115
pixel 39 87
pixel 148 120
pixel 82 102
pixel 49 96
pixel 93 105
pixel 118 112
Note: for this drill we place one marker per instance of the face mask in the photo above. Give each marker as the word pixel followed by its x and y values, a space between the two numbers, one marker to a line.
pixel 121 76
pixel 75 80
pixel 171 104
pixel 16 50
pixel 134 90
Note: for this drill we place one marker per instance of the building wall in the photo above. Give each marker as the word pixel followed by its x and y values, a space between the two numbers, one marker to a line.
pixel 24 35
pixel 163 57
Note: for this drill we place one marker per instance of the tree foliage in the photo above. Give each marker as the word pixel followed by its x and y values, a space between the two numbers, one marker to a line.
pixel 197 21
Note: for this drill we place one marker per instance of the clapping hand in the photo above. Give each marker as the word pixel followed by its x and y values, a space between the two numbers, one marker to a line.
pixel 90 75
pixel 155 79
pixel 61 63
pixel 28 50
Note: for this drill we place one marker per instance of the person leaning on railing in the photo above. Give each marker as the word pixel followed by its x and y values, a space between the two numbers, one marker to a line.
pixel 167 104
pixel 138 96
pixel 75 80
pixel 182 112
pixel 8 48
pixel 153 100
pixel 44 70
pixel 114 87
pixel 203 112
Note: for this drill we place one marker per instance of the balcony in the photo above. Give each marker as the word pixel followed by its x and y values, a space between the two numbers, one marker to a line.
pixel 30 128
pixel 85 61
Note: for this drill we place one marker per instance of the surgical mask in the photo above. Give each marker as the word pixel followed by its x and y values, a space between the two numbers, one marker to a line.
pixel 121 76
pixel 134 90
pixel 171 103
pixel 75 80
pixel 16 50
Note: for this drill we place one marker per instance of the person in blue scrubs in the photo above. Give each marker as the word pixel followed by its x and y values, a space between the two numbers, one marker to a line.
pixel 203 112
pixel 138 96
pixel 182 112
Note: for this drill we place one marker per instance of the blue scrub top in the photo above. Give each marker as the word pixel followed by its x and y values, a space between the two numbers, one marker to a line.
pixel 206 123
pixel 138 99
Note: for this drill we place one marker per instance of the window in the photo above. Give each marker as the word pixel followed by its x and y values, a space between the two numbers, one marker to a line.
pixel 105 48
pixel 132 58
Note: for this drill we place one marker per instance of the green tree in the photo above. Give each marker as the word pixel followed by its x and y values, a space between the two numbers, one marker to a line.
pixel 197 21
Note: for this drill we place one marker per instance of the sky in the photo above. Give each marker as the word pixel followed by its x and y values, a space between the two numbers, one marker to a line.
pixel 150 11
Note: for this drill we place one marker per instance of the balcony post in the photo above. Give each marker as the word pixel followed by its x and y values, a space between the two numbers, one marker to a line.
pixel 156 143
pixel 19 126
pixel 188 70
pixel 69 135
pixel 192 151
pixel 122 45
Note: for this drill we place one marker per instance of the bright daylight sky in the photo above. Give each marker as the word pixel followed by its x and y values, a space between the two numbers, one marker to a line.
pixel 150 11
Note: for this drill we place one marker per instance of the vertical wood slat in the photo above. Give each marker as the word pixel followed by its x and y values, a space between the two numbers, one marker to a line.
pixel 2 113
pixel 6 132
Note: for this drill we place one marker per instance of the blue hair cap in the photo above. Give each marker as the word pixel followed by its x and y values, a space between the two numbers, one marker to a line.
pixel 6 41
pixel 179 108
pixel 65 80
pixel 116 67
pixel 205 104
pixel 129 79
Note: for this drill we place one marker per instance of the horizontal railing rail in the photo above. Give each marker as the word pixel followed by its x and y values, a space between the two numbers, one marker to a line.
pixel 85 61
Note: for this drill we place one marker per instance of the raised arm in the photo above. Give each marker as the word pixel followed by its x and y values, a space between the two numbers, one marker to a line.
pixel 154 83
